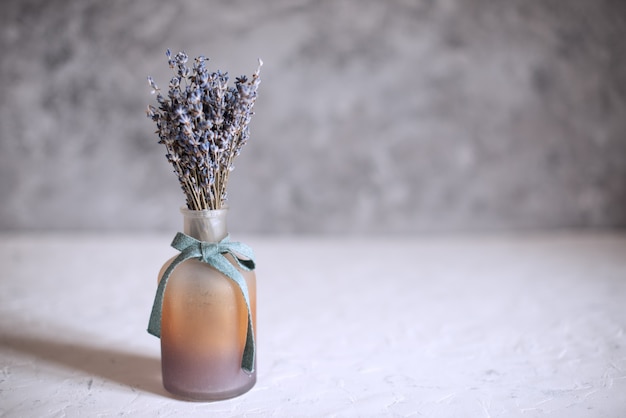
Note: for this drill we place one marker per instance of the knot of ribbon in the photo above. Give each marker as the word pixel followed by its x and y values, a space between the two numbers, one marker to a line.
pixel 211 253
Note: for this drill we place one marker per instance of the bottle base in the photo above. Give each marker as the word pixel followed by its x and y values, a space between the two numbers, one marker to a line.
pixel 210 396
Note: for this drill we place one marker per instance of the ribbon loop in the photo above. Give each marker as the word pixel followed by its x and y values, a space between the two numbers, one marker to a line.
pixel 212 254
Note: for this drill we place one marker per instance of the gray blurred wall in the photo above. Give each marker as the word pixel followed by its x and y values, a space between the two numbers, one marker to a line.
pixel 373 116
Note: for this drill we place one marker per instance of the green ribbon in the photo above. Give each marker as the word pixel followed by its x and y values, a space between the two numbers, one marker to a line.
pixel 211 253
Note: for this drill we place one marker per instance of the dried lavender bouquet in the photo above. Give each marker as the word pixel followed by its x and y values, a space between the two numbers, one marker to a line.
pixel 203 124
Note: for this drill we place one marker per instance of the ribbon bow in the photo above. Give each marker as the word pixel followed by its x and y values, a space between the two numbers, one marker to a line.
pixel 211 253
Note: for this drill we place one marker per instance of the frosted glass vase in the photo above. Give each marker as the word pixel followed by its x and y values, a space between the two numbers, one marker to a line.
pixel 204 321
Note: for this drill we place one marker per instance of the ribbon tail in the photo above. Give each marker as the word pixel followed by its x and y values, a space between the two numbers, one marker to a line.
pixel 222 264
pixel 247 360
pixel 154 325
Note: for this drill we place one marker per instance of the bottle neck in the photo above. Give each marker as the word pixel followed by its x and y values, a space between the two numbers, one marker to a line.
pixel 205 225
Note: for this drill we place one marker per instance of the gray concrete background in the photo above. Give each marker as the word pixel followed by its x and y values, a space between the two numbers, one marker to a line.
pixel 373 116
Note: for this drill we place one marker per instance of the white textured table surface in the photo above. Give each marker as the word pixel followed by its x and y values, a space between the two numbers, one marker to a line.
pixel 498 326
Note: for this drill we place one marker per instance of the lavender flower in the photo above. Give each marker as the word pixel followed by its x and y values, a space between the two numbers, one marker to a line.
pixel 203 124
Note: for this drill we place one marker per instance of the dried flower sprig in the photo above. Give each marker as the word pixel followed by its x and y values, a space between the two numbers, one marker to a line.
pixel 203 124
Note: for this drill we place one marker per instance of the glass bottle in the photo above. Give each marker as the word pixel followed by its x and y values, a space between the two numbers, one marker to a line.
pixel 204 321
